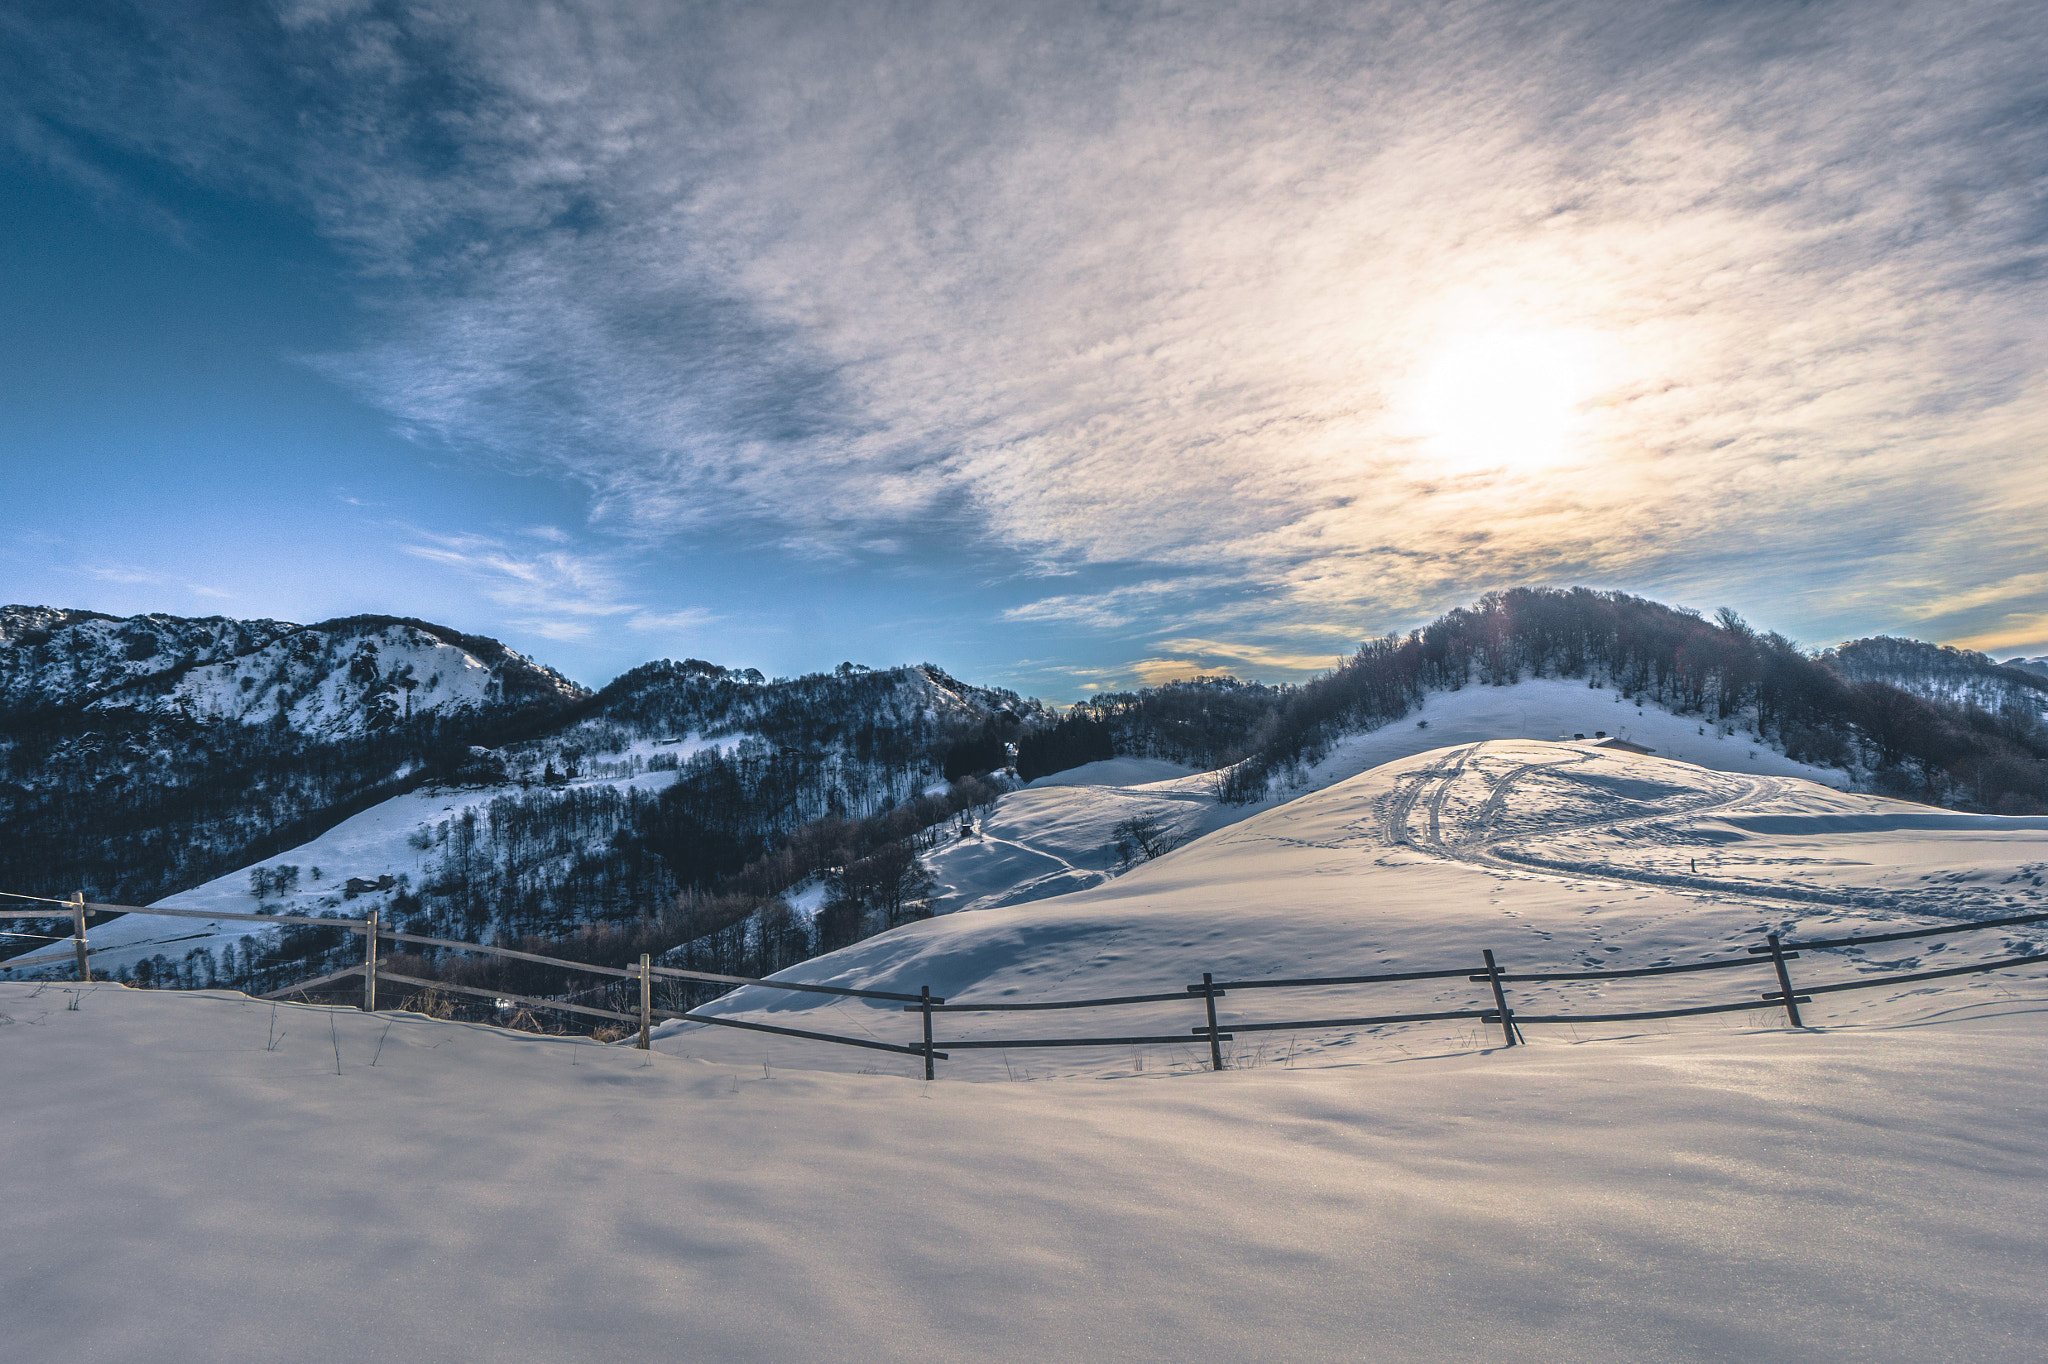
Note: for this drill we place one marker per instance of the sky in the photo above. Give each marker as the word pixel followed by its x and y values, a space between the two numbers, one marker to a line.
pixel 1067 346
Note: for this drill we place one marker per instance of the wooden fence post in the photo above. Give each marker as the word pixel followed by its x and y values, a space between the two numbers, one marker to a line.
pixel 646 999
pixel 370 966
pixel 1784 979
pixel 926 1008
pixel 1209 999
pixel 78 933
pixel 1500 999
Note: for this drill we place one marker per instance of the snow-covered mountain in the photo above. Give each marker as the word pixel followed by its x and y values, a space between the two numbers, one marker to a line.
pixel 675 776
pixel 1943 672
pixel 2036 665
pixel 143 755
pixel 337 679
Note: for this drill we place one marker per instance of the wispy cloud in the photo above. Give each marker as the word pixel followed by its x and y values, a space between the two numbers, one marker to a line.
pixel 1255 657
pixel 1117 606
pixel 131 575
pixel 1171 288
pixel 558 594
pixel 124 573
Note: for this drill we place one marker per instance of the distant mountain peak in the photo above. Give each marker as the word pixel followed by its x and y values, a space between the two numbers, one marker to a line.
pixel 334 679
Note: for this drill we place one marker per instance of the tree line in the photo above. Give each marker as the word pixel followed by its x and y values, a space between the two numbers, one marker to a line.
pixel 1721 669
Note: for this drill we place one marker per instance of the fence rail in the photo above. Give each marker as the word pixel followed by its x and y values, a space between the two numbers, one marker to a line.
pixel 1772 952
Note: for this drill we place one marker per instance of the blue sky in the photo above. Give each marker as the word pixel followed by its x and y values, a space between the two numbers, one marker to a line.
pixel 1065 346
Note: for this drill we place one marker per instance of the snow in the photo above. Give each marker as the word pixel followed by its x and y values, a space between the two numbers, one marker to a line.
pixel 188 1194
pixel 1115 772
pixel 1054 836
pixel 1051 838
pixel 1551 708
pixel 369 846
pixel 1553 855
pixel 1717 1188
pixel 323 698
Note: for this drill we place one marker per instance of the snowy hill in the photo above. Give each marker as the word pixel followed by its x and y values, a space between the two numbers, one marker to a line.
pixel 689 808
pixel 1057 835
pixel 1060 834
pixel 1553 854
pixel 1870 1188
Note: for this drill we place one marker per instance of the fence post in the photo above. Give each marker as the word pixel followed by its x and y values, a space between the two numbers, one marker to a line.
pixel 1209 999
pixel 926 1007
pixel 646 998
pixel 1784 979
pixel 78 933
pixel 370 966
pixel 1500 1000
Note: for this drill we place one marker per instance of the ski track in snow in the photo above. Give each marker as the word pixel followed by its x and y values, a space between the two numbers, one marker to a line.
pixel 1473 839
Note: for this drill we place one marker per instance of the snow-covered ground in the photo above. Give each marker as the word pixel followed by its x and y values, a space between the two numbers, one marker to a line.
pixel 206 1177
pixel 183 1191
pixel 1056 835
pixel 1553 855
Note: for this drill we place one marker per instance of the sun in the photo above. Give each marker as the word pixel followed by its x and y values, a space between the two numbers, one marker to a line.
pixel 1505 398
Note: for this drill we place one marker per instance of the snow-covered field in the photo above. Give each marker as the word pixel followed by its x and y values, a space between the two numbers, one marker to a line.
pixel 1055 836
pixel 183 1192
pixel 1553 855
pixel 206 1177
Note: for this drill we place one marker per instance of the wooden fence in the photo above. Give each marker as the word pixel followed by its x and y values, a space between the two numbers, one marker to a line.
pixel 1772 952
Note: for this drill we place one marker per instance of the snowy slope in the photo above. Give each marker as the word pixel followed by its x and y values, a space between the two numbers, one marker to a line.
pixel 217 1179
pixel 399 838
pixel 203 1178
pixel 1551 854
pixel 1055 836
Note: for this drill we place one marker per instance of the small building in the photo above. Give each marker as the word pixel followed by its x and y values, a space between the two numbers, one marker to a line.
pixel 1624 745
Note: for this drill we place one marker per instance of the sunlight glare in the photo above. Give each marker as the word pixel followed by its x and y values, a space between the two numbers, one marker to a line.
pixel 1505 398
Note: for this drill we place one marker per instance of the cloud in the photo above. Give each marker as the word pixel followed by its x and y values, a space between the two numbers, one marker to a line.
pixel 1115 607
pixel 2018 634
pixel 124 573
pixel 559 594
pixel 1256 656
pixel 1168 290
pixel 1153 672
pixel 670 622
